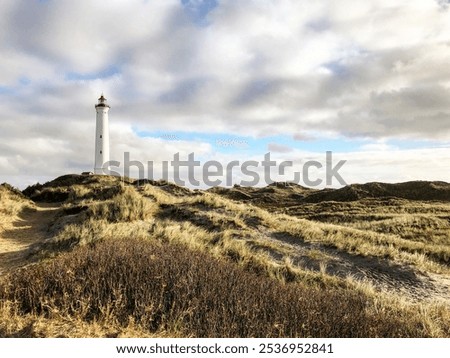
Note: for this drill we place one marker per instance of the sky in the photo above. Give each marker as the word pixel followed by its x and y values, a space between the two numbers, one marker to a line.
pixel 228 80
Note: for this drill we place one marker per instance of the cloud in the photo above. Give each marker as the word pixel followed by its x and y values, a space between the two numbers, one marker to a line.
pixel 374 69
pixel 302 137
pixel 278 148
pixel 378 146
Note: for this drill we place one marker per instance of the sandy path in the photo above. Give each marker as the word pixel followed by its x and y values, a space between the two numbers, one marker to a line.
pixel 18 234
pixel 382 273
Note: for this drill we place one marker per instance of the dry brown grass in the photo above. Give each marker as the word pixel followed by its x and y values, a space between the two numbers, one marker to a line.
pixel 16 235
pixel 298 247
pixel 15 324
pixel 239 231
pixel 410 232
pixel 126 206
pixel 120 211
pixel 226 215
pixel 166 288
pixel 12 202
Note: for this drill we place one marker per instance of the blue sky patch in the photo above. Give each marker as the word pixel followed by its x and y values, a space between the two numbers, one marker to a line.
pixel 230 144
pixel 198 10
pixel 6 90
pixel 108 72
pixel 24 81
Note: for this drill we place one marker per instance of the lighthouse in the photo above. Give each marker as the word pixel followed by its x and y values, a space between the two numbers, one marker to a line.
pixel 102 137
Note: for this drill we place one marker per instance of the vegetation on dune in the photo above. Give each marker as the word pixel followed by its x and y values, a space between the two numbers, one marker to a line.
pixel 61 188
pixel 371 256
pixel 12 201
pixel 291 194
pixel 243 233
pixel 166 288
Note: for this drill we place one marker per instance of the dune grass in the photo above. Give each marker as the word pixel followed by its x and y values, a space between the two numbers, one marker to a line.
pixel 12 201
pixel 118 221
pixel 159 287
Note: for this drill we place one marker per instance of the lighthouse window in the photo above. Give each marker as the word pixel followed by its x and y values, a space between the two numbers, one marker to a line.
pixel 101 152
pixel 101 136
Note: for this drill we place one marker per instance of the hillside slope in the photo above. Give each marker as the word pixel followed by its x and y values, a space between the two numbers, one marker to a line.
pixel 292 194
pixel 376 244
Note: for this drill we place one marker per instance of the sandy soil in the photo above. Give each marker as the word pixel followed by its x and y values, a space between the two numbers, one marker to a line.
pixel 383 274
pixel 18 234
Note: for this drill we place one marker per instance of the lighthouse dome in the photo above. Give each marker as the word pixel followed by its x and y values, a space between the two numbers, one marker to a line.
pixel 102 102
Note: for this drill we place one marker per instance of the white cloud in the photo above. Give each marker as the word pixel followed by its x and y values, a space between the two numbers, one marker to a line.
pixel 278 148
pixel 372 69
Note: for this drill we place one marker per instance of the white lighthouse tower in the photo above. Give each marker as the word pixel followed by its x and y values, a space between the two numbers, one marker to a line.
pixel 102 137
